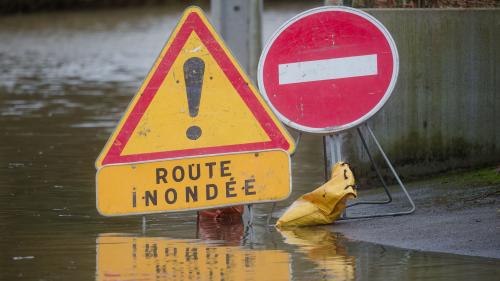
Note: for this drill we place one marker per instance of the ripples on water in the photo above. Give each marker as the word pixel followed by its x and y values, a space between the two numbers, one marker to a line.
pixel 65 79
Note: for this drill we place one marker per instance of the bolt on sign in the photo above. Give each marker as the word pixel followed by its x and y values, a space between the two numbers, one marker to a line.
pixel 328 69
pixel 197 134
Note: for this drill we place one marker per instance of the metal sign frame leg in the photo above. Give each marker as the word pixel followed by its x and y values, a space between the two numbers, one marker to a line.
pixel 248 215
pixel 377 170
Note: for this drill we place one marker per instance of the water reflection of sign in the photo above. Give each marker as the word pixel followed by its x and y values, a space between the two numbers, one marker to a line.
pixel 196 101
pixel 321 247
pixel 145 258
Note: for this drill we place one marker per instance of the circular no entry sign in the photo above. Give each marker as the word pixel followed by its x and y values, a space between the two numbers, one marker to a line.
pixel 328 69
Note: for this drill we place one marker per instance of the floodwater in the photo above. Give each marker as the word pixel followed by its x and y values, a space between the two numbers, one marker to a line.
pixel 65 79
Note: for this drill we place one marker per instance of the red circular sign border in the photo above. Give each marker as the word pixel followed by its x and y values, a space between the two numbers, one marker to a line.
pixel 333 129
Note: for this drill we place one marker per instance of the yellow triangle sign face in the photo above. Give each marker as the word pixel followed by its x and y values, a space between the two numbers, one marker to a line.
pixel 195 101
pixel 168 117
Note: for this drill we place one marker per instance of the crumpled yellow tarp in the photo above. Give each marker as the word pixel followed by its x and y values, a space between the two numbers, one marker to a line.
pixel 323 205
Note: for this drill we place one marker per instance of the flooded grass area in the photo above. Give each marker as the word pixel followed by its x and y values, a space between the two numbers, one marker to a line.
pixel 65 79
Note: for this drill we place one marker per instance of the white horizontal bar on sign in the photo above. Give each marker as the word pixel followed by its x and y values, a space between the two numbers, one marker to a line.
pixel 317 70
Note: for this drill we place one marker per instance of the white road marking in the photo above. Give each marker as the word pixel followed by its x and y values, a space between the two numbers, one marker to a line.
pixel 317 70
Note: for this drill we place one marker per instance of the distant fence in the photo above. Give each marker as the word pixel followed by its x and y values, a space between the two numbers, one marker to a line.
pixel 445 110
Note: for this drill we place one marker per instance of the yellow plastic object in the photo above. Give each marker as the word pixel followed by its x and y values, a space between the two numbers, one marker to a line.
pixel 323 205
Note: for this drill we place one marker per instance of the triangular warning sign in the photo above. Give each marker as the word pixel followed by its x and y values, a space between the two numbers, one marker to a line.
pixel 196 100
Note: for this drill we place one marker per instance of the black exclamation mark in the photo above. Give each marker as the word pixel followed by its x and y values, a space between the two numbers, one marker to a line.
pixel 193 76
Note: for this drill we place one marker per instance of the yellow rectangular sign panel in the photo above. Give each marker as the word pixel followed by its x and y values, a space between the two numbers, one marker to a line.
pixel 193 183
pixel 150 258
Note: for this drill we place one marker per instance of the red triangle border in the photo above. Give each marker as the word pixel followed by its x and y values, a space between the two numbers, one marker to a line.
pixel 194 23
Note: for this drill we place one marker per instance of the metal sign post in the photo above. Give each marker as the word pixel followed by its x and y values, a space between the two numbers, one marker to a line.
pixel 333 152
pixel 328 70
pixel 232 18
pixel 240 24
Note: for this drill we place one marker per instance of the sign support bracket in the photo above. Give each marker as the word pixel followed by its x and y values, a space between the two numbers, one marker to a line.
pixel 386 189
pixel 144 222
pixel 332 148
pixel 248 215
